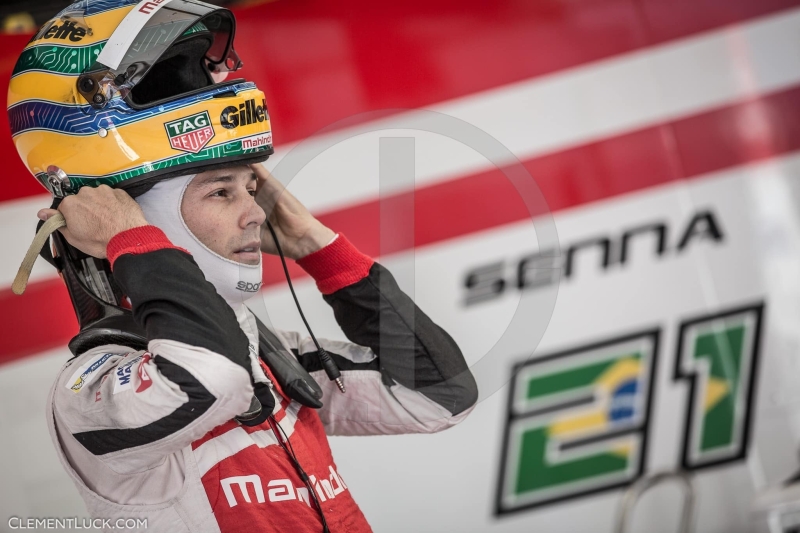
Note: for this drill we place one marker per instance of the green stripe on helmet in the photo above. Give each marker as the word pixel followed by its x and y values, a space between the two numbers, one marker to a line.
pixel 58 59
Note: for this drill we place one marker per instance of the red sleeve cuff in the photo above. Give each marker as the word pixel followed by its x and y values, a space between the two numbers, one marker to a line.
pixel 137 241
pixel 337 265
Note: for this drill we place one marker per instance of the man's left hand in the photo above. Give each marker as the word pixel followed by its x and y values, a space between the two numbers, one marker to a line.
pixel 298 231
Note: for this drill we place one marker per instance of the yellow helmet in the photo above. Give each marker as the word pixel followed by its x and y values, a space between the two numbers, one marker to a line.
pixel 123 93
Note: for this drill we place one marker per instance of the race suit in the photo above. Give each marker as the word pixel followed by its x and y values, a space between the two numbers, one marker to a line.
pixel 150 434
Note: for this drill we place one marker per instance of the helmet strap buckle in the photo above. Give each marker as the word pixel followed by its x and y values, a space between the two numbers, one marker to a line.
pixel 58 181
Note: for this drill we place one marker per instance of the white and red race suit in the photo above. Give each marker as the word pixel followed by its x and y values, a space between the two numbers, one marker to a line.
pixel 151 434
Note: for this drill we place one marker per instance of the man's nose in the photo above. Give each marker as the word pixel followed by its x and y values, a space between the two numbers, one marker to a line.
pixel 254 215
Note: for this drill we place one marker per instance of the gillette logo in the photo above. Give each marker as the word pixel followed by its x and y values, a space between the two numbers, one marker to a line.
pixel 247 113
pixel 248 287
pixel 68 30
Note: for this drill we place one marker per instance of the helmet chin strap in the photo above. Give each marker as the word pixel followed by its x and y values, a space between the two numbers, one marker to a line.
pixel 235 282
pixel 24 273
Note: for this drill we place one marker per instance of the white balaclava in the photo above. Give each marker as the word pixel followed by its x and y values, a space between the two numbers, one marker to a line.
pixel 235 282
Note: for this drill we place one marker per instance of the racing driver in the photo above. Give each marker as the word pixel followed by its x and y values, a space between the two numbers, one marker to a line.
pixel 154 162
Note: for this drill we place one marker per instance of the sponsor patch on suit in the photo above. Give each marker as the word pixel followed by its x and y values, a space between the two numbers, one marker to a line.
pixel 87 372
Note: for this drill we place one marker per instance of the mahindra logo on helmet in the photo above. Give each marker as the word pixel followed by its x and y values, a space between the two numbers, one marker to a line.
pixel 246 113
pixel 148 7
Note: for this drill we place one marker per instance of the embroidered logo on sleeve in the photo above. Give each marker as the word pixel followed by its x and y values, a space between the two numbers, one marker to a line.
pixel 87 372
pixel 123 375
pixel 144 377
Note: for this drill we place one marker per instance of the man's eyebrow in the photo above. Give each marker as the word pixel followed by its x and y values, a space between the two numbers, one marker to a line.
pixel 225 179
pixel 216 179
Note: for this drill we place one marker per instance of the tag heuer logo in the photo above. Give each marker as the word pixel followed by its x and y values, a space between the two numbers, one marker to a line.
pixel 190 134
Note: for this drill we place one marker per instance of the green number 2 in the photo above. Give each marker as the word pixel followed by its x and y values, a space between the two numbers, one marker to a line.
pixel 578 422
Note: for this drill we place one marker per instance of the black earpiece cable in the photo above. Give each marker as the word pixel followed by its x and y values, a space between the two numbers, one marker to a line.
pixel 328 364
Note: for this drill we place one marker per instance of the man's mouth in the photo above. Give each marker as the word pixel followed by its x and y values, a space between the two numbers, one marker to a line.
pixel 249 254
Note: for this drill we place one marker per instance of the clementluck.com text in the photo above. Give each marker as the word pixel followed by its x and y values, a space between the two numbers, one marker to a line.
pixel 16 522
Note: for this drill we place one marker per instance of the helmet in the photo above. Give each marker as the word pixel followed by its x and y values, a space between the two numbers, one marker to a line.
pixel 126 93
pixel 123 93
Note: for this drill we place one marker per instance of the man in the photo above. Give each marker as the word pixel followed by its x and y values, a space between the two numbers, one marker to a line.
pixel 159 431
pixel 135 441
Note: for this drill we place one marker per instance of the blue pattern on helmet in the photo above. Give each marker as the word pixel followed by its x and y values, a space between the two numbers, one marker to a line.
pixel 93 7
pixel 83 120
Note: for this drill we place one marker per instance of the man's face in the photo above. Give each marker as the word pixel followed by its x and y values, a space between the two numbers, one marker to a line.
pixel 219 207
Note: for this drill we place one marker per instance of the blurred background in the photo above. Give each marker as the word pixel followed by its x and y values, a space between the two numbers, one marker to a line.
pixel 657 330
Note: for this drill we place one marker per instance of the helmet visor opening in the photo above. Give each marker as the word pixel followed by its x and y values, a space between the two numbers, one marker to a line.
pixel 180 70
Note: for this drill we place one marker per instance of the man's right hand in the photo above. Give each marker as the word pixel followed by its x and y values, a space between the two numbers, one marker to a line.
pixel 94 216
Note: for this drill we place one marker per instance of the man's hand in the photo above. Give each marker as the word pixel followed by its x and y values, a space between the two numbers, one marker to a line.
pixel 298 231
pixel 94 216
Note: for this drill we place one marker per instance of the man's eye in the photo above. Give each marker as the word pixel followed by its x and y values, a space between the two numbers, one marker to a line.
pixel 252 192
pixel 219 192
